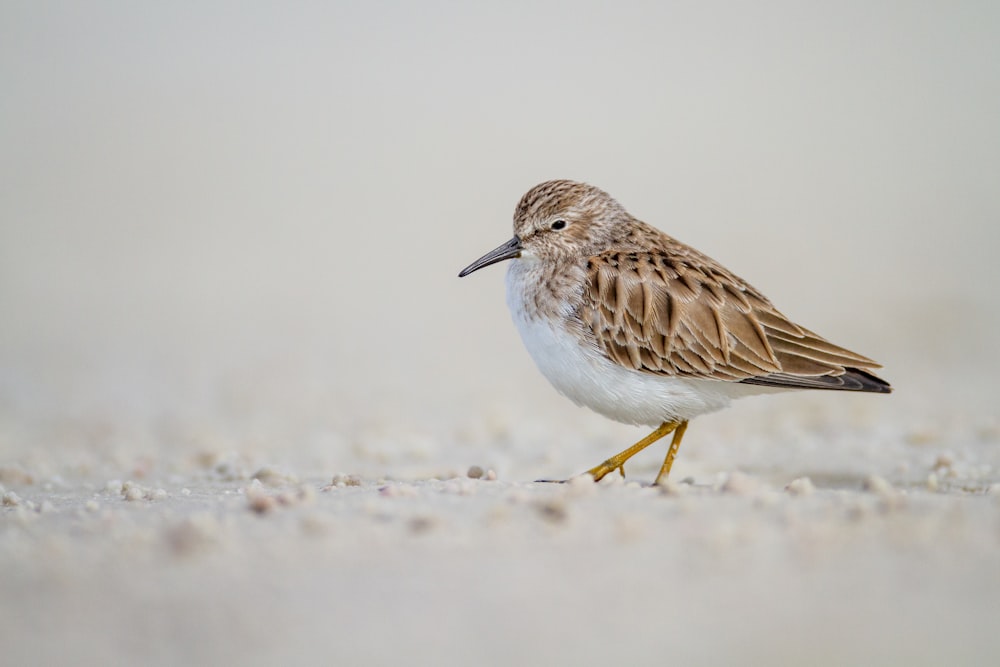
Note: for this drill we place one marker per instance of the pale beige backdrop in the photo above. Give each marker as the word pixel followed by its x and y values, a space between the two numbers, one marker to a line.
pixel 233 229
pixel 194 192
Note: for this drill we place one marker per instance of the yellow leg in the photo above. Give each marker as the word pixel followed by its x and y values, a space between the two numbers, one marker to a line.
pixel 617 462
pixel 675 444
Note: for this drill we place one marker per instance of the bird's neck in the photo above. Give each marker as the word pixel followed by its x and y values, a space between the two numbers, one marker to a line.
pixel 544 289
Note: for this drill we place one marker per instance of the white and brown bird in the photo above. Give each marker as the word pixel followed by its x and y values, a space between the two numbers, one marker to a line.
pixel 641 328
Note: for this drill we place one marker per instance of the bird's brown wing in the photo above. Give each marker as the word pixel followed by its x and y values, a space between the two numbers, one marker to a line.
pixel 677 312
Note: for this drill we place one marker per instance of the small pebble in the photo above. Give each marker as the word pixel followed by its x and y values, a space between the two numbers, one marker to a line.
pixel 131 491
pixel 274 477
pixel 890 496
pixel 340 481
pixel 475 472
pixel 260 501
pixel 669 487
pixel 932 482
pixel 740 484
pixel 801 486
pixel 229 471
pixel 943 462
pixel 11 499
pixel 398 491
pixel 303 495
pixel 878 485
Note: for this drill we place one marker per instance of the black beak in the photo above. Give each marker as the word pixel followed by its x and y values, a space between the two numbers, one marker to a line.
pixel 508 250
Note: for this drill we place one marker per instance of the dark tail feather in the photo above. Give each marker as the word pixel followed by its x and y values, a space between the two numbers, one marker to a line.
pixel 852 379
pixel 867 381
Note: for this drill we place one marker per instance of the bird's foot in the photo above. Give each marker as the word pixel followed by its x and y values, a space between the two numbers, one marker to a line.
pixel 599 472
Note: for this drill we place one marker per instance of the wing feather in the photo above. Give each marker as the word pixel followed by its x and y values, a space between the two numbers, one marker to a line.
pixel 675 312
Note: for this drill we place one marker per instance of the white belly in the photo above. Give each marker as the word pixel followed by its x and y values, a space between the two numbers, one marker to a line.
pixel 580 371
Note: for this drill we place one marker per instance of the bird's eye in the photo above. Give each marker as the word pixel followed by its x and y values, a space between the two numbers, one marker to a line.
pixel 558 224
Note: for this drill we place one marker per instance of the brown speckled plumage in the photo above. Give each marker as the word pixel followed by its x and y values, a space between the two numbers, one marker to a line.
pixel 657 305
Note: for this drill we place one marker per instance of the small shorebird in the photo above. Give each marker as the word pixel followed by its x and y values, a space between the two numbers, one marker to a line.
pixel 641 328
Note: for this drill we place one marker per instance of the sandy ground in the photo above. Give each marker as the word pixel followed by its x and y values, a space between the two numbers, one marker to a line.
pixel 242 389
pixel 794 530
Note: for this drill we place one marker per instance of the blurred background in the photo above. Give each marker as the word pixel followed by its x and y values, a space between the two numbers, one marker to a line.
pixel 251 215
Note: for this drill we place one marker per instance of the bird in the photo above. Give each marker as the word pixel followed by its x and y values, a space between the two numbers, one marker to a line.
pixel 639 327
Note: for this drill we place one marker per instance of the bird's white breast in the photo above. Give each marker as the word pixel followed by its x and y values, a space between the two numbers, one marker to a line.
pixel 578 369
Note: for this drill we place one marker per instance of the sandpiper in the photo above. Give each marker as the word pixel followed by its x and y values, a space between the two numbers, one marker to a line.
pixel 639 327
